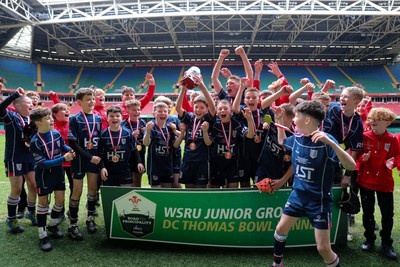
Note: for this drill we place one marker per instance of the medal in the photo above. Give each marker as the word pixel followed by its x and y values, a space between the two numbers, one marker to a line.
pixel 257 139
pixel 139 147
pixel 228 140
pixel 287 158
pixel 115 158
pixel 89 144
pixel 192 146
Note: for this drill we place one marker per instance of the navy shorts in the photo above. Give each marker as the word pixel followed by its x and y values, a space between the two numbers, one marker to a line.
pixel 118 179
pixel 18 169
pixel 221 174
pixel 158 180
pixel 50 180
pixel 196 173
pixel 79 168
pixel 301 207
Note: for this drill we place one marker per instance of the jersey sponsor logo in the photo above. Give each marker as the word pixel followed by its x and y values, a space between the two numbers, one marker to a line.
pixel 222 149
pixel 161 150
pixel 273 147
pixel 95 141
pixel 304 173
pixel 120 155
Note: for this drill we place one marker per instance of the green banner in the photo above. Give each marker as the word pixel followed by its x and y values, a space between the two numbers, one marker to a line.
pixel 228 218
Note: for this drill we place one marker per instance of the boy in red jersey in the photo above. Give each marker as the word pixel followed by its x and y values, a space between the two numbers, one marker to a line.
pixel 375 177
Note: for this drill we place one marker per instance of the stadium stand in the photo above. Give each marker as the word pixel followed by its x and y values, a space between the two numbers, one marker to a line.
pixel 18 73
pixel 58 78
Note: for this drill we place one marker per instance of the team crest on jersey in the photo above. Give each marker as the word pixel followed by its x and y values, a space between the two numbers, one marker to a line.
pixel 58 142
pixel 19 166
pixel 387 147
pixel 313 153
pixel 123 141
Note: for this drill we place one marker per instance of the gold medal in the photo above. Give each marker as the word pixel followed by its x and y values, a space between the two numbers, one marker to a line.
pixel 192 146
pixel 287 158
pixel 257 139
pixel 89 145
pixel 228 155
pixel 115 158
pixel 139 148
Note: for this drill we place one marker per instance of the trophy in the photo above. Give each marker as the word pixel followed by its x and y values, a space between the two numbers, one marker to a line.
pixel 187 79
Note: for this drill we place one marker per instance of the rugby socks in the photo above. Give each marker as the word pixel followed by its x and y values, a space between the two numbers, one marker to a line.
pixel 42 232
pixel 334 263
pixel 92 199
pixel 73 209
pixel 55 214
pixel 12 204
pixel 31 207
pixel 279 247
pixel 41 217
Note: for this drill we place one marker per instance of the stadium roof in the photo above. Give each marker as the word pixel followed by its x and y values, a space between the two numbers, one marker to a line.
pixel 118 32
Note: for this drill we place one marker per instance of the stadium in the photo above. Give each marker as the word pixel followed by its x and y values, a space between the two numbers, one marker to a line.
pixel 64 45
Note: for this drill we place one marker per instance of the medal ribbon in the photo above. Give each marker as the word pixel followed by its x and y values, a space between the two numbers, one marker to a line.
pixel 195 129
pixel 115 147
pixel 137 128
pixel 258 122
pixel 49 154
pixel 22 120
pixel 228 142
pixel 90 132
pixel 290 131
pixel 342 126
pixel 166 139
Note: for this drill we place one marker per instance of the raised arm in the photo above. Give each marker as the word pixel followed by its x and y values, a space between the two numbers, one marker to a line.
pixel 293 97
pixel 217 68
pixel 258 66
pixel 179 101
pixel 236 103
pixel 150 91
pixel 207 95
pixel 284 91
pixel 246 64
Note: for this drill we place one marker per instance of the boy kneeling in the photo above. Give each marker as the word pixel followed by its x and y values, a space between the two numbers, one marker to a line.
pixel 47 146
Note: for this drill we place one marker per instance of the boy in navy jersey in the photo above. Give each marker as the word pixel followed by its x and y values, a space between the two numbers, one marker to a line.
pixel 251 147
pixel 315 155
pixel 83 136
pixel 47 146
pixel 177 152
pixel 273 162
pixel 136 126
pixel 160 138
pixel 18 159
pixel 197 141
pixel 117 145
pixel 226 133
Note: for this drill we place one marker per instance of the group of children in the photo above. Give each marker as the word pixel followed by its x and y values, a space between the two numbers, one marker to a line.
pixel 231 138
